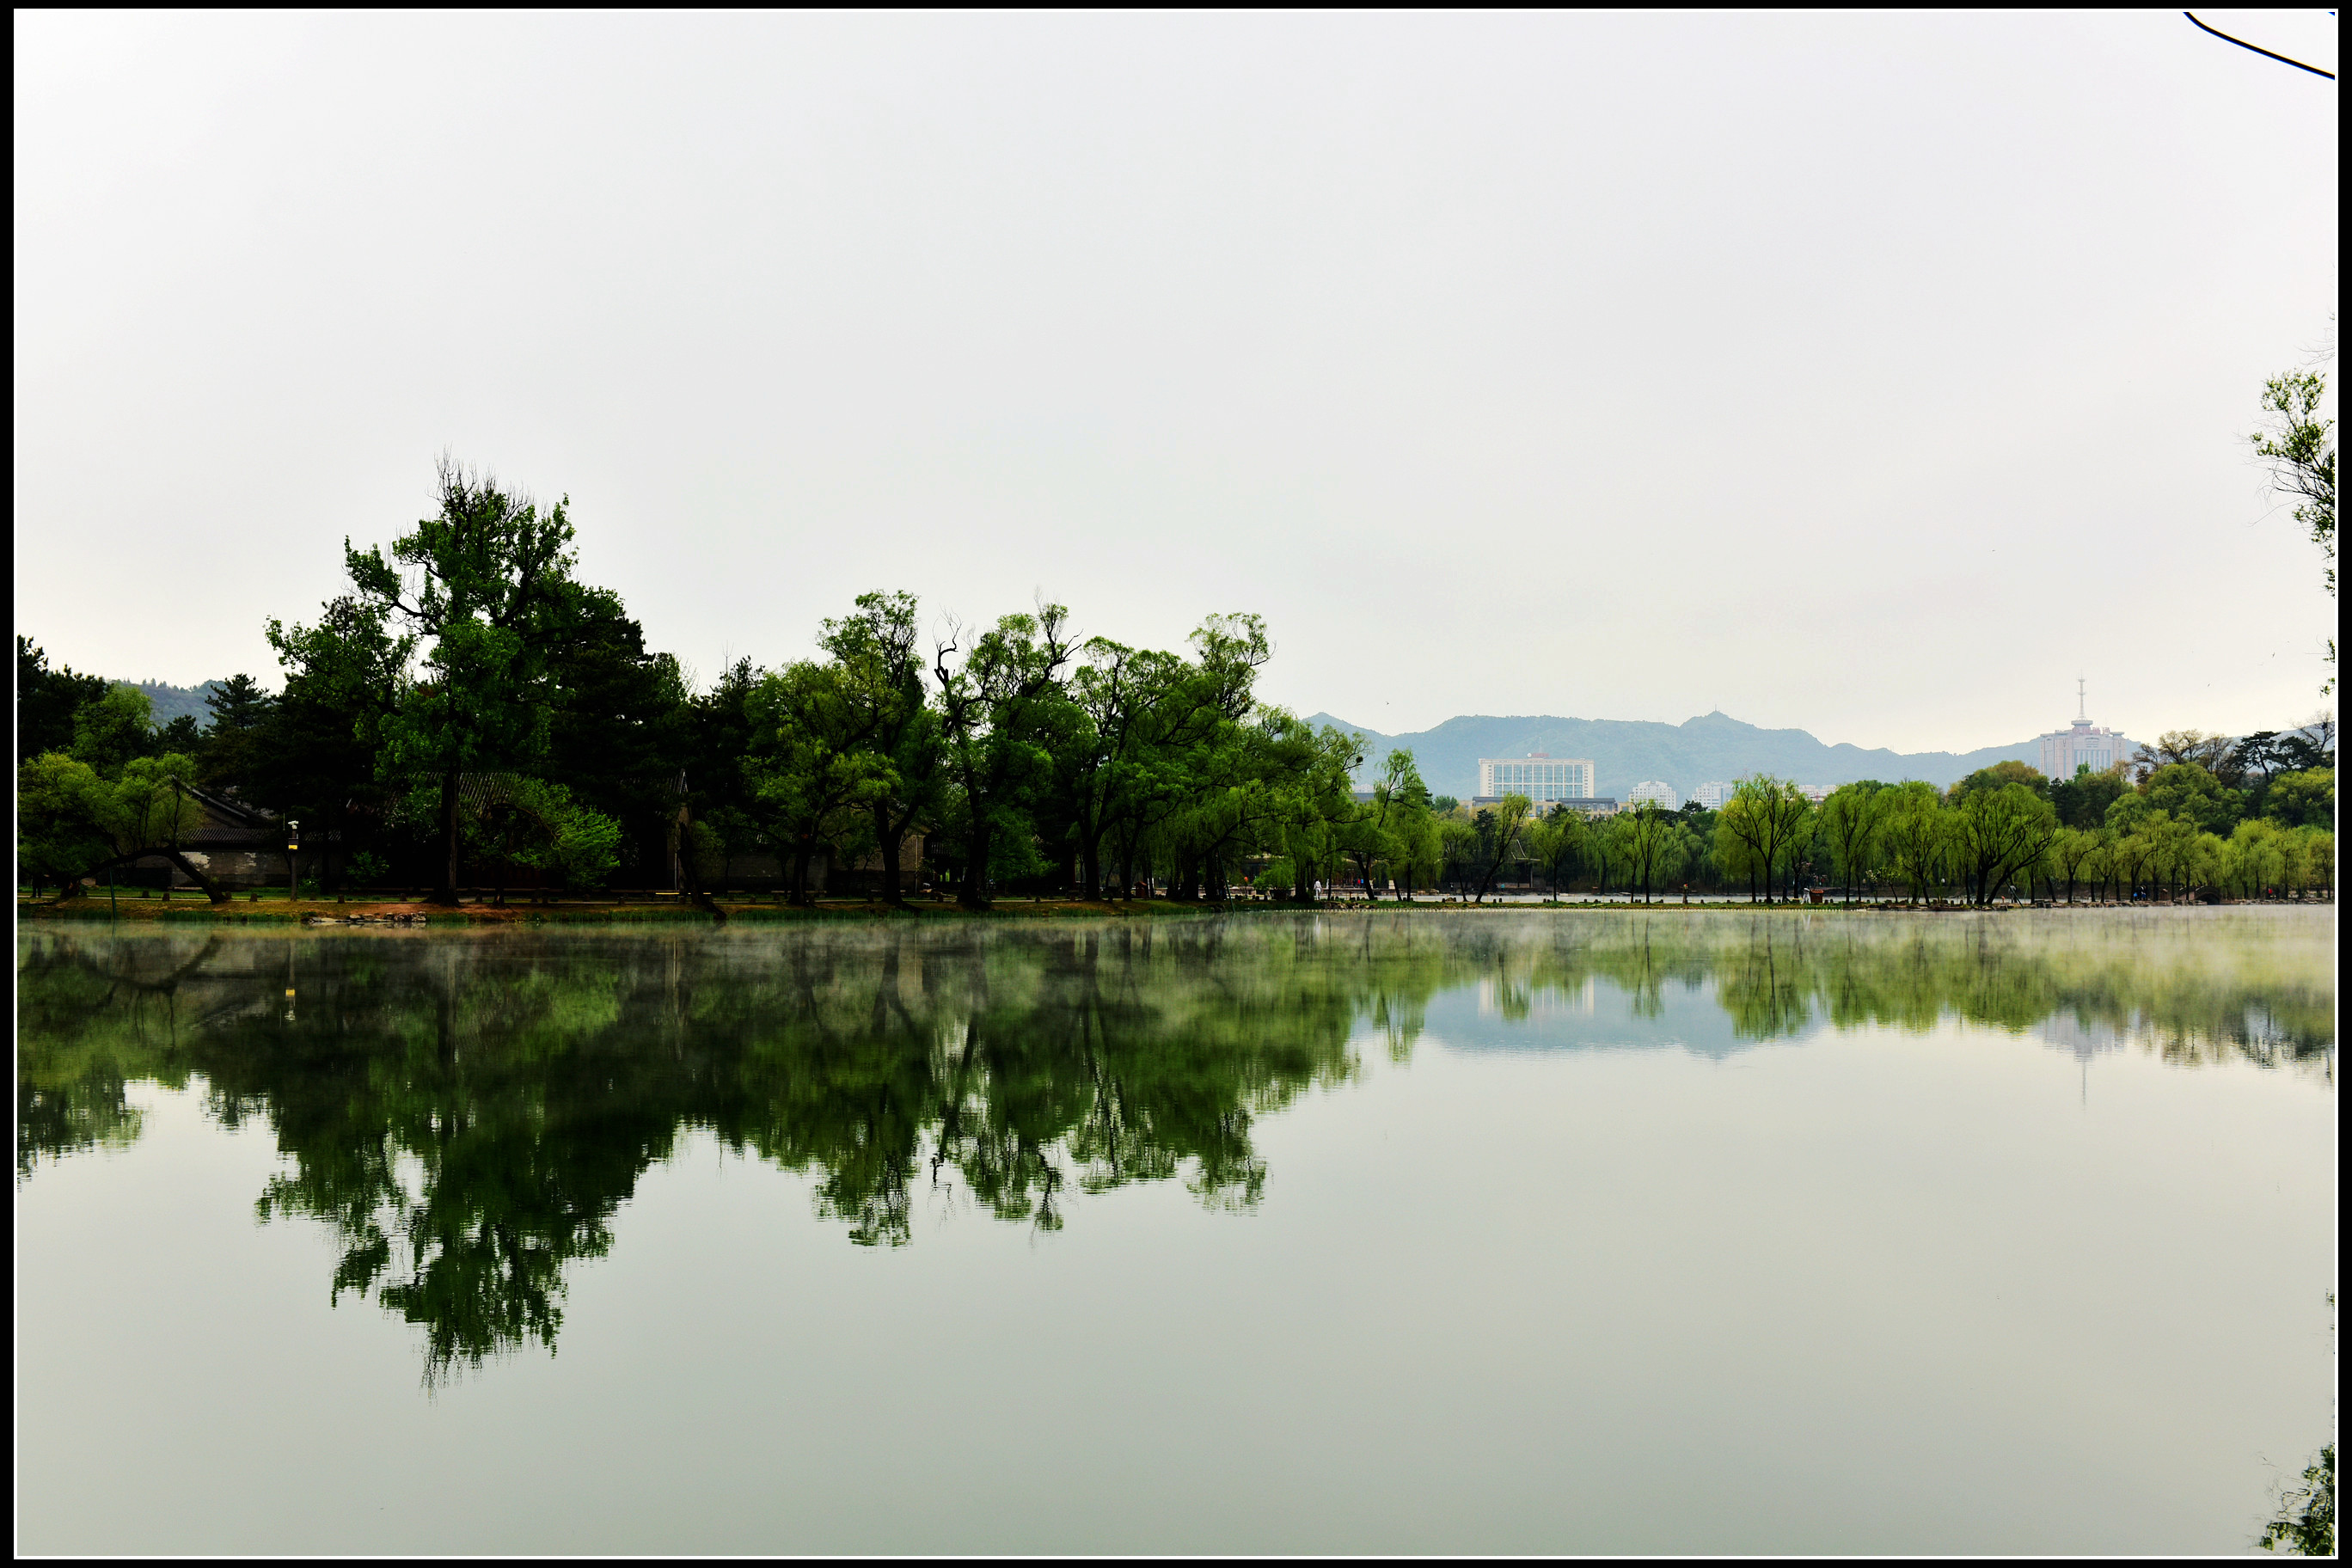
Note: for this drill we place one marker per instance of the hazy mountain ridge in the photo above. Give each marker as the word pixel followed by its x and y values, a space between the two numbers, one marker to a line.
pixel 166 702
pixel 1627 752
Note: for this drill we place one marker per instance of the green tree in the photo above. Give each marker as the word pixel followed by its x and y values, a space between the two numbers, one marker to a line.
pixel 2137 839
pixel 1314 810
pixel 1143 713
pixel 48 699
pixel 1380 839
pixel 2007 772
pixel 875 650
pixel 996 705
pixel 1420 849
pixel 145 811
pixel 1851 821
pixel 1648 847
pixel 814 763
pixel 2294 443
pixel 2188 793
pixel 230 753
pixel 1918 836
pixel 620 728
pixel 2083 800
pixel 2256 858
pixel 2072 851
pixel 58 836
pixel 1559 842
pixel 715 746
pixel 2001 834
pixel 1457 844
pixel 2100 865
pixel 114 729
pixel 2304 799
pixel 2305 1524
pixel 318 752
pixel 1497 837
pixel 533 823
pixel 486 581
pixel 1764 823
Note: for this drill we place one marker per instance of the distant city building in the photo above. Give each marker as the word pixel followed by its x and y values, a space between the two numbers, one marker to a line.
pixel 2082 744
pixel 1536 775
pixel 1714 795
pixel 1657 790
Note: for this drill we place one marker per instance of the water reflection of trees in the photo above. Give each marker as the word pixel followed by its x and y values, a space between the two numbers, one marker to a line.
pixel 467 1114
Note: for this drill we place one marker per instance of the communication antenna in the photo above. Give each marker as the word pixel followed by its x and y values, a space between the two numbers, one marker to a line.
pixel 2081 711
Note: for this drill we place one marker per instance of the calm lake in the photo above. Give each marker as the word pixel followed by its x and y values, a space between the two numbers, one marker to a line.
pixel 1541 1231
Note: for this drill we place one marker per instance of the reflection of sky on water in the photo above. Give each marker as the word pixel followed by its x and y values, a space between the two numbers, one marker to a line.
pixel 1492 1015
pixel 1595 1016
pixel 1526 1265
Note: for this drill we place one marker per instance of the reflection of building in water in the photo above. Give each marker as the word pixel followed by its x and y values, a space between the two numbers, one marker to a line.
pixel 2067 1033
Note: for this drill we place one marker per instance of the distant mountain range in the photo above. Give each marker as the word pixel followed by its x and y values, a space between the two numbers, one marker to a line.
pixel 1624 753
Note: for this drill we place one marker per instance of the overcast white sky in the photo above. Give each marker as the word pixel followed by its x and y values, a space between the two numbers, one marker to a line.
pixel 1872 375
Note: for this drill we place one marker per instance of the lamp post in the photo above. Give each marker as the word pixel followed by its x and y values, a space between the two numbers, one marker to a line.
pixel 293 869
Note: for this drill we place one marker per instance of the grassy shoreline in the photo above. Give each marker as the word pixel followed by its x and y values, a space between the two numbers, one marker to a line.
pixel 673 909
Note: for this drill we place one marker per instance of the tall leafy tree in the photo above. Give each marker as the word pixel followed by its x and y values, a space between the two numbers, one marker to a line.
pixel 812 758
pixel 1646 839
pixel 2189 792
pixel 47 701
pixel 876 650
pixel 318 752
pixel 1851 821
pixel 230 750
pixel 58 835
pixel 1765 819
pixel 487 582
pixel 1192 738
pixel 619 726
pixel 997 697
pixel 1916 834
pixel 1397 798
pixel 114 729
pixel 2001 834
pixel 1559 842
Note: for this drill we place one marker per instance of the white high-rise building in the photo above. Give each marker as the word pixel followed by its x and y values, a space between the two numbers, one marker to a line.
pixel 1712 795
pixel 2081 743
pixel 1536 775
pixel 1657 790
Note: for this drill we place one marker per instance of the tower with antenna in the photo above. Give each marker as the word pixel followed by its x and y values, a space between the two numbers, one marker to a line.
pixel 2081 744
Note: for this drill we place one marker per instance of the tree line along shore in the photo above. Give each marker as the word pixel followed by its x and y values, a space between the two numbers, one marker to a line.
pixel 470 715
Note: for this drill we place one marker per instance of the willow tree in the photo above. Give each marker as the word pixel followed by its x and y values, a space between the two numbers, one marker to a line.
pixel 1852 820
pixel 2000 833
pixel 1764 822
pixel 1646 839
